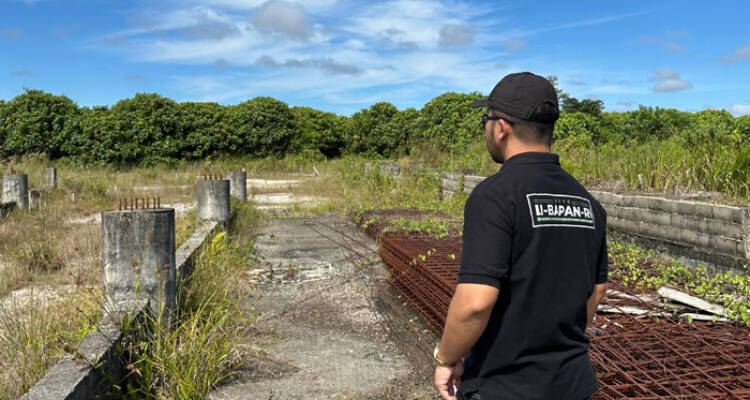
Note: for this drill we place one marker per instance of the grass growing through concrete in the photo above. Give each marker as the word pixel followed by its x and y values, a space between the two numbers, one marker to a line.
pixel 186 360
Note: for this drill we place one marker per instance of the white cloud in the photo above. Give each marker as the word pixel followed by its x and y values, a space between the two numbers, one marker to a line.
pixel 663 42
pixel 251 4
pixel 281 17
pixel 415 23
pixel 739 109
pixel 742 53
pixel 515 44
pixel 668 81
pixel 324 63
pixel 10 32
pixel 454 35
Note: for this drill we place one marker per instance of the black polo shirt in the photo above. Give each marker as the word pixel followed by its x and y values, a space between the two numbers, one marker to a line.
pixel 532 231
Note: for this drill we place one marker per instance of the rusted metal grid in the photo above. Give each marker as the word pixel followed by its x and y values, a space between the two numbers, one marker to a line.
pixel 634 357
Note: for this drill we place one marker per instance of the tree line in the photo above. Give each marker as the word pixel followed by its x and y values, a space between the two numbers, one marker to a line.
pixel 149 128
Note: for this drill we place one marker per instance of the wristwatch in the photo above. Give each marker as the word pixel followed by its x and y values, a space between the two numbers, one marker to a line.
pixel 438 361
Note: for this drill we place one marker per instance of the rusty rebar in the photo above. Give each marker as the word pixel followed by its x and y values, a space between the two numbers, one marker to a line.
pixel 633 356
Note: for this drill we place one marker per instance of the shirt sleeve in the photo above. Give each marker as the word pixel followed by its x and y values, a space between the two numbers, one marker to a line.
pixel 602 265
pixel 487 240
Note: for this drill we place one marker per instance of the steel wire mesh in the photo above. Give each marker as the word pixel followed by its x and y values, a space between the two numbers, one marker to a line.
pixel 637 357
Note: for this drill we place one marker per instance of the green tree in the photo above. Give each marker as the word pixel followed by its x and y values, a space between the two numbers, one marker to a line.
pixel 203 130
pixel 449 120
pixel 39 122
pixel 586 106
pixel 368 131
pixel 143 129
pixel 318 131
pixel 260 127
pixel 95 143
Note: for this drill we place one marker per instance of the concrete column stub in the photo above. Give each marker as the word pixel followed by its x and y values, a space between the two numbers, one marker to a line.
pixel 50 175
pixel 238 184
pixel 16 189
pixel 213 200
pixel 138 258
pixel 746 228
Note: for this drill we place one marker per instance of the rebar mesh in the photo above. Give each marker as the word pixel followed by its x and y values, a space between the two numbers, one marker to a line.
pixel 637 357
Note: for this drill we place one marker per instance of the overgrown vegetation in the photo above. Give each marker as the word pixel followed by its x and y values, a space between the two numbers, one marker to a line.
pixel 38 329
pixel 649 148
pixel 636 267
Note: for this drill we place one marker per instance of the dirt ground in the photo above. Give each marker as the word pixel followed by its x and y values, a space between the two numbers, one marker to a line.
pixel 330 325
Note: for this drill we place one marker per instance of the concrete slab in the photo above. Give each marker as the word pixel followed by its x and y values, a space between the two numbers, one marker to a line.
pixel 320 320
pixel 280 201
pixel 273 183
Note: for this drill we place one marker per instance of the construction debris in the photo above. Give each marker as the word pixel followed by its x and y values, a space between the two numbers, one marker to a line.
pixel 692 301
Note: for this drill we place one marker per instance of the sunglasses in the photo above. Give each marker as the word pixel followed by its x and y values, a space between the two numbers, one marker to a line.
pixel 486 118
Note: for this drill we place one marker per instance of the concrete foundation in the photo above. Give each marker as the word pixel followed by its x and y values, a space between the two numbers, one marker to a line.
pixel 50 175
pixel 138 258
pixel 16 189
pixel 213 200
pixel 238 184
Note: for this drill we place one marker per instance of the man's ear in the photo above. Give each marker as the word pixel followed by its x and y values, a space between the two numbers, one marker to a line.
pixel 501 130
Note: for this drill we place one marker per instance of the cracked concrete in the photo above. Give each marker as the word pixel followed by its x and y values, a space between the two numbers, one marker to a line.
pixel 320 327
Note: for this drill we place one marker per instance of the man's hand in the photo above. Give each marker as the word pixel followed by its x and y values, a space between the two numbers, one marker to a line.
pixel 446 378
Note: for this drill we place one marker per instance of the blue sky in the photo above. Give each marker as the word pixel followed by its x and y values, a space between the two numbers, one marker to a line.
pixel 344 55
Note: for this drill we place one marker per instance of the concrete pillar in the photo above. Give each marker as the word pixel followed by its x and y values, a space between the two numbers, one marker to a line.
pixel 16 189
pixel 746 229
pixel 51 177
pixel 238 184
pixel 138 258
pixel 213 200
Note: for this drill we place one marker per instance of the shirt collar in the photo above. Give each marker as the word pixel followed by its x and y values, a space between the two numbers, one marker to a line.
pixel 533 157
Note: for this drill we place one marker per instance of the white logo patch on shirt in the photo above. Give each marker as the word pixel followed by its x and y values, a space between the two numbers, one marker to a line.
pixel 549 209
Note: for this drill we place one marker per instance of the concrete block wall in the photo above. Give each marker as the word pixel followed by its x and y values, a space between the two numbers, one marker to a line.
pixel 390 167
pixel 471 181
pixel 450 184
pixel 695 233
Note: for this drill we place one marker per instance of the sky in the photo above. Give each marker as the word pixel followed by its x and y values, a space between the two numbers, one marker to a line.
pixel 345 55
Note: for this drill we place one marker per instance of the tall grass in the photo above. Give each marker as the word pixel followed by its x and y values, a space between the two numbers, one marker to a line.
pixel 187 359
pixel 35 331
pixel 662 166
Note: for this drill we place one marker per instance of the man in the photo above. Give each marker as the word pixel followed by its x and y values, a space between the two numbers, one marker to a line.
pixel 533 266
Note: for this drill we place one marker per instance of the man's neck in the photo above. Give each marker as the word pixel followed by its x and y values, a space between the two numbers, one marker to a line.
pixel 523 148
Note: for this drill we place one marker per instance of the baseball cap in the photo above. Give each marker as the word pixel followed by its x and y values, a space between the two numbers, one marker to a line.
pixel 524 95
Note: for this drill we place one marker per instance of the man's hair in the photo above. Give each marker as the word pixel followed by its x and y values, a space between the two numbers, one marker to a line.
pixel 528 132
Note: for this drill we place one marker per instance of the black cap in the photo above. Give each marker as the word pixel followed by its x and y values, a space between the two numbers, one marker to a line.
pixel 524 95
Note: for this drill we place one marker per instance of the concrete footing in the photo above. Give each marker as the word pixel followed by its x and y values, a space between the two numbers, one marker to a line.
pixel 138 258
pixel 50 178
pixel 16 189
pixel 238 184
pixel 213 200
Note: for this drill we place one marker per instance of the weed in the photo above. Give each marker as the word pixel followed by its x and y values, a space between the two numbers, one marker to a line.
pixel 36 330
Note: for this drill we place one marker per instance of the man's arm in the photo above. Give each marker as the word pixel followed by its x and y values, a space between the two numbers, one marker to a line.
pixel 596 297
pixel 467 317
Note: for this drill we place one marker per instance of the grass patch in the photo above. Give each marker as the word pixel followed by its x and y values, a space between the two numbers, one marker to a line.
pixel 36 332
